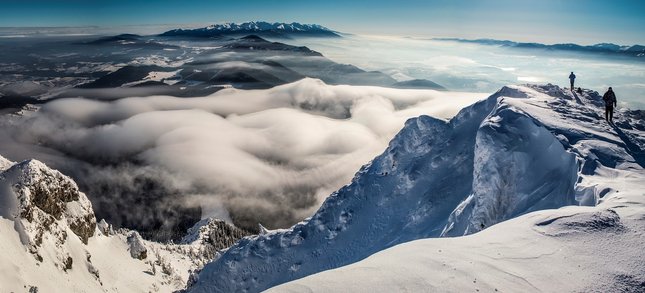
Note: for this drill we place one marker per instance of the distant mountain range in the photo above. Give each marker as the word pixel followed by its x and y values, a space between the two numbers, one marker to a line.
pixel 261 28
pixel 608 48
pixel 257 68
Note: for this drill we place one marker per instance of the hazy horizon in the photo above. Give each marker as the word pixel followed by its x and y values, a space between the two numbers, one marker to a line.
pixel 153 29
pixel 551 21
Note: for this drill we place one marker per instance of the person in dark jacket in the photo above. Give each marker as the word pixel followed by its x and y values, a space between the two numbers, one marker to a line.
pixel 610 101
pixel 572 78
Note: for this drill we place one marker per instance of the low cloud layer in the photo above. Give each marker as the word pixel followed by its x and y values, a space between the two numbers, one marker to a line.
pixel 257 156
pixel 474 67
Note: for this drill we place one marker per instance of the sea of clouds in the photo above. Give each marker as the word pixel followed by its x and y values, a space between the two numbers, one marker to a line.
pixel 246 156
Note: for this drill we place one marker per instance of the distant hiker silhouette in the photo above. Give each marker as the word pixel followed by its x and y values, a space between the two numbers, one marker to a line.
pixel 610 101
pixel 572 78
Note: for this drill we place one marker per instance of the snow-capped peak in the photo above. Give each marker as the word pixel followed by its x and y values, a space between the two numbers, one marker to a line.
pixel 256 27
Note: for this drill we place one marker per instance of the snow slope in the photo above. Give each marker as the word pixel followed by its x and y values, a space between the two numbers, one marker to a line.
pixel 521 150
pixel 50 241
pixel 573 249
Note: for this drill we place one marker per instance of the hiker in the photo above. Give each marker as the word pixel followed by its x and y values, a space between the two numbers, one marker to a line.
pixel 579 90
pixel 610 101
pixel 572 78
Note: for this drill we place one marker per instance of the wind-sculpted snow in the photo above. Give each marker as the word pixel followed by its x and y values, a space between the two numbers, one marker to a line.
pixel 516 152
pixel 519 167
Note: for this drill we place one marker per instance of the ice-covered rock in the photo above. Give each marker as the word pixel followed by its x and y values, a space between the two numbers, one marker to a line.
pixel 136 247
pixel 105 228
pixel 523 149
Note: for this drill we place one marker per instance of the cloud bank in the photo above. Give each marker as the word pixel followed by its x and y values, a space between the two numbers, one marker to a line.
pixel 474 67
pixel 246 156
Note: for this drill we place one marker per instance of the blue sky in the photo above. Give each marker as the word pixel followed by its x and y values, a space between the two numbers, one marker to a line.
pixel 549 21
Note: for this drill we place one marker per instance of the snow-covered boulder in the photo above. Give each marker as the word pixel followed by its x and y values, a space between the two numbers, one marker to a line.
pixel 523 149
pixel 136 247
pixel 105 228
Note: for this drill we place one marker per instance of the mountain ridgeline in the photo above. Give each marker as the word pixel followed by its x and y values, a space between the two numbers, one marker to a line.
pixel 262 28
pixel 604 48
pixel 256 64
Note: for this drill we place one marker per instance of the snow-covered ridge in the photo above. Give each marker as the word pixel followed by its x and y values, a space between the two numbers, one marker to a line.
pixel 256 27
pixel 525 148
pixel 263 26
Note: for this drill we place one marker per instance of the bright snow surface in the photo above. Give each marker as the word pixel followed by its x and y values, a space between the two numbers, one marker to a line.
pixel 523 149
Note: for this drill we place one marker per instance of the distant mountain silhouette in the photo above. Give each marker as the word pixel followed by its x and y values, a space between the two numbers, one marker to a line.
pixel 606 48
pixel 255 66
pixel 418 84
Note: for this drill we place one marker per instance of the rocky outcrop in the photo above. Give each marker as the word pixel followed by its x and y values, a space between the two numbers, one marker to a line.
pixel 45 205
pixel 212 235
pixel 105 228
pixel 137 249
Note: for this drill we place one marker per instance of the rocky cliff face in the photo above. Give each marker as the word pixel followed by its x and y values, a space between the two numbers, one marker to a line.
pixel 210 236
pixel 45 205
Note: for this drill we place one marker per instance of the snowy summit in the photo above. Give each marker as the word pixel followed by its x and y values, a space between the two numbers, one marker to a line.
pixel 262 28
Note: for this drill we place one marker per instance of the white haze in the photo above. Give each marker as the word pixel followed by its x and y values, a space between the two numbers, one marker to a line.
pixel 270 155
pixel 474 67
